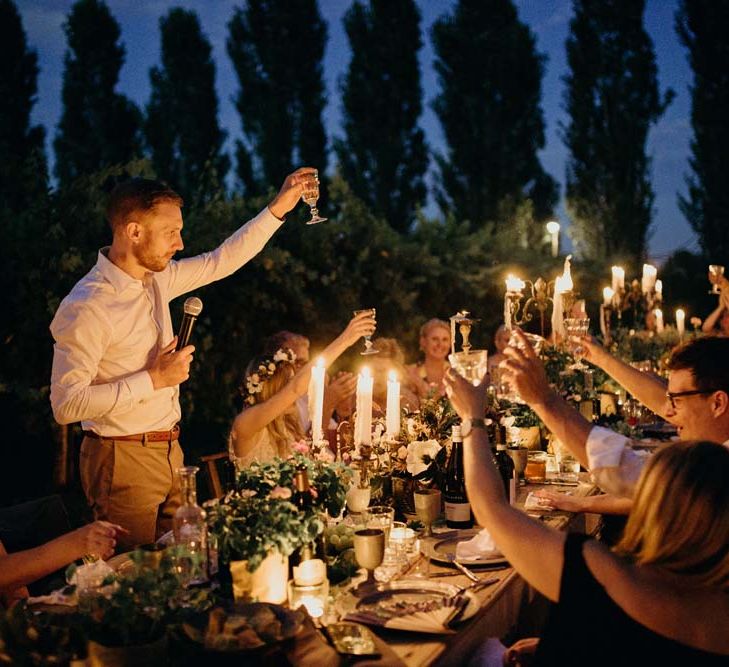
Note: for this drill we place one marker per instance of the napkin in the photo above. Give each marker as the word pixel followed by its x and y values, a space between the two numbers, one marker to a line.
pixel 479 546
pixel 56 598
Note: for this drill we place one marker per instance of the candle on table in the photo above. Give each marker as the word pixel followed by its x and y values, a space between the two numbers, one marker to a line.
pixel 514 286
pixel 316 399
pixel 618 278
pixel 310 572
pixel 363 421
pixel 659 319
pixel 648 281
pixel 392 418
pixel 659 290
pixel 680 321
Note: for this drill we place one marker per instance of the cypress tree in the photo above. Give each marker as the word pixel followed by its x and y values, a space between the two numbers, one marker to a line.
pixel 182 127
pixel 277 47
pixel 383 155
pixel 612 99
pixel 702 26
pixel 98 127
pixel 489 75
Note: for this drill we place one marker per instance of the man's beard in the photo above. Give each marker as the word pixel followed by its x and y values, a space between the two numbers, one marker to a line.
pixel 149 261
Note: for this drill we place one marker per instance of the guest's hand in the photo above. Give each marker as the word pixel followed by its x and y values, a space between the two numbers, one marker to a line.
pixel 593 351
pixel 468 401
pixel 291 190
pixel 98 538
pixel 341 388
pixel 560 501
pixel 362 324
pixel 171 368
pixel 524 371
pixel 521 653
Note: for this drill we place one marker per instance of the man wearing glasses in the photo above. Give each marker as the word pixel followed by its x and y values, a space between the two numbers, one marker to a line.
pixel 695 400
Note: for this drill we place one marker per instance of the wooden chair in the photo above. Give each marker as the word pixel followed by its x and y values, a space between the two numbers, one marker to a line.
pixel 211 463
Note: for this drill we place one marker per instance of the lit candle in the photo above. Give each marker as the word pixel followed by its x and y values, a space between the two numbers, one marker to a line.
pixel 618 278
pixel 316 399
pixel 648 281
pixel 553 229
pixel 392 418
pixel 607 295
pixel 310 572
pixel 363 421
pixel 659 290
pixel 659 319
pixel 514 284
pixel 680 321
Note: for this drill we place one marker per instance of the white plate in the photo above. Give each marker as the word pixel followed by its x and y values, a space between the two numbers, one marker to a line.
pixel 443 549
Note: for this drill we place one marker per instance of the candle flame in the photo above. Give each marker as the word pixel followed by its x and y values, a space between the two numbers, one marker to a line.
pixel 392 376
pixel 365 372
pixel 608 293
pixel 320 362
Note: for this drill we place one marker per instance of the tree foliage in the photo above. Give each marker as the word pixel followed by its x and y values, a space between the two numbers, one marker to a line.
pixel 182 127
pixel 98 127
pixel 612 99
pixel 489 75
pixel 383 155
pixel 702 26
pixel 277 48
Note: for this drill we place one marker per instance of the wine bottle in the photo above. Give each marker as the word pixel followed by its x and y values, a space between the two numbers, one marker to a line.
pixel 302 493
pixel 505 464
pixel 457 508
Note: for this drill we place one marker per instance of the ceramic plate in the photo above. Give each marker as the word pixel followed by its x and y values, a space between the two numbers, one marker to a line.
pixel 443 550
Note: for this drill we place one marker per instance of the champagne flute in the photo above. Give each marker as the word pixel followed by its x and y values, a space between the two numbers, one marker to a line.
pixel 577 326
pixel 369 550
pixel 716 271
pixel 368 339
pixel 427 507
pixel 310 196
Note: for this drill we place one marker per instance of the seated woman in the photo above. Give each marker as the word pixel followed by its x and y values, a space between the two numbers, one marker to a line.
pixel 659 596
pixel 435 344
pixel 501 340
pixel 269 422
pixel 391 358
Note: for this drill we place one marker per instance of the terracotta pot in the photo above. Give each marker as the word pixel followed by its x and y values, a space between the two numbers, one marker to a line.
pixel 529 437
pixel 140 655
pixel 266 584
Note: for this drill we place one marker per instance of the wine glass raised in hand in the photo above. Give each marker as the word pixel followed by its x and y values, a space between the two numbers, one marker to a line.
pixel 427 507
pixel 310 196
pixel 369 550
pixel 368 339
pixel 716 271
pixel 576 327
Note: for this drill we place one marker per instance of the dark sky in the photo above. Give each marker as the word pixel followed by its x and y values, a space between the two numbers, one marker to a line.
pixel 548 19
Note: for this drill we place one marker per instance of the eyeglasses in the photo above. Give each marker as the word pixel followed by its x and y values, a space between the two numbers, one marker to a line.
pixel 672 395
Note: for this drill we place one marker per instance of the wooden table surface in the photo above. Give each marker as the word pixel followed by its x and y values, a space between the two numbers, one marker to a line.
pixel 501 603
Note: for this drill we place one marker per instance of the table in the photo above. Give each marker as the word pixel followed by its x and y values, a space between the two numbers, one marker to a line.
pixel 501 605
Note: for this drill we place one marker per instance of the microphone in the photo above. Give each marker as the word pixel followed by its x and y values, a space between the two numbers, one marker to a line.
pixel 193 308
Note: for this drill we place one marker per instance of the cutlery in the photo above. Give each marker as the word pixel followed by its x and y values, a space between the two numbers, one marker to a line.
pixel 452 559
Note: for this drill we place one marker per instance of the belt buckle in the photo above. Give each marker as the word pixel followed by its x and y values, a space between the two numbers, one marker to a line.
pixel 144 439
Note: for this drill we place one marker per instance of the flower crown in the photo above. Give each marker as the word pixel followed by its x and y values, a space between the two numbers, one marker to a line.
pixel 266 369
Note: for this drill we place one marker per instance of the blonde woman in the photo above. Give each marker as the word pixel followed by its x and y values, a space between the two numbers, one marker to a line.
pixel 660 597
pixel 269 422
pixel 435 344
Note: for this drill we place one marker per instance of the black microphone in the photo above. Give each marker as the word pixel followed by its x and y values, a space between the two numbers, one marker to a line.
pixel 193 308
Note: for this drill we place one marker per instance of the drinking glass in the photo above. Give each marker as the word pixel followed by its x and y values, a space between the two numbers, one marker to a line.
pixel 427 507
pixel 574 327
pixel 310 196
pixel 369 550
pixel 716 271
pixel 471 364
pixel 380 516
pixel 368 339
pixel 505 390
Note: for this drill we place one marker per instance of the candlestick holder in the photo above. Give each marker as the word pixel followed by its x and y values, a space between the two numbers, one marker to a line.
pixel 471 364
pixel 539 300
pixel 632 304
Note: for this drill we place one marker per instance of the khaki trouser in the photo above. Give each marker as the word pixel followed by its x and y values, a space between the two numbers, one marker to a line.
pixel 132 484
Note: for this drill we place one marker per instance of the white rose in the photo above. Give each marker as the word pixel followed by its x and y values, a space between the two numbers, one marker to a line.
pixel 417 451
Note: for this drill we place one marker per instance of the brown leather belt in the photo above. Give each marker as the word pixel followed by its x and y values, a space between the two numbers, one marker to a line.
pixel 150 436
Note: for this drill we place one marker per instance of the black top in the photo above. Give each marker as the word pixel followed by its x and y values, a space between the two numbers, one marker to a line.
pixel 586 627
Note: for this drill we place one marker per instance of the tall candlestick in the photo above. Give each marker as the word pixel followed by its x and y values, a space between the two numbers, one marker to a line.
pixel 648 281
pixel 659 320
pixel 618 278
pixel 680 321
pixel 316 400
pixel 659 290
pixel 392 418
pixel 607 295
pixel 363 421
pixel 553 229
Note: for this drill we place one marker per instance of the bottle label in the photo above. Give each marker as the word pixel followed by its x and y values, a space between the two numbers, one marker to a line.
pixel 457 511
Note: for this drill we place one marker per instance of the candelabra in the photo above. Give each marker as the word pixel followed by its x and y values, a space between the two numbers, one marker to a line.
pixel 538 300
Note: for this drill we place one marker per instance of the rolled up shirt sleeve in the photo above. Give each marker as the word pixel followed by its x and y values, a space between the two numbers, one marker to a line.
pixel 614 464
pixel 82 335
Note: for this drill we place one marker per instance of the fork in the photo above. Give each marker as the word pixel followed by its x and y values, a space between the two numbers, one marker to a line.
pixel 471 575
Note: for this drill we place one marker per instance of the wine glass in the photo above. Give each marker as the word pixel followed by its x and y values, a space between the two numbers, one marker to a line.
pixel 507 392
pixel 369 550
pixel 574 327
pixel 380 516
pixel 368 339
pixel 310 196
pixel 427 507
pixel 716 271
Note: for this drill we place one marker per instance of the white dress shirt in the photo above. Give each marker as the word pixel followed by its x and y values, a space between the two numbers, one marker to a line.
pixel 109 328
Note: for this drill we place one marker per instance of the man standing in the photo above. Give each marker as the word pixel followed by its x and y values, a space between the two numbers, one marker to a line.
pixel 115 367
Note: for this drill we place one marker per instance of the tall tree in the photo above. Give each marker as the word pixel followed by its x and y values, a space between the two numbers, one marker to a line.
pixel 277 48
pixel 383 154
pixel 98 127
pixel 702 26
pixel 22 158
pixel 612 99
pixel 182 127
pixel 489 75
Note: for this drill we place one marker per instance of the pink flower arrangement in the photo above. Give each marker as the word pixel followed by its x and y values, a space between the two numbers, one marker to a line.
pixel 280 492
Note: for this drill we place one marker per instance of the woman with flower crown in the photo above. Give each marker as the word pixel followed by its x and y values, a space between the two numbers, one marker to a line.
pixel 269 422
